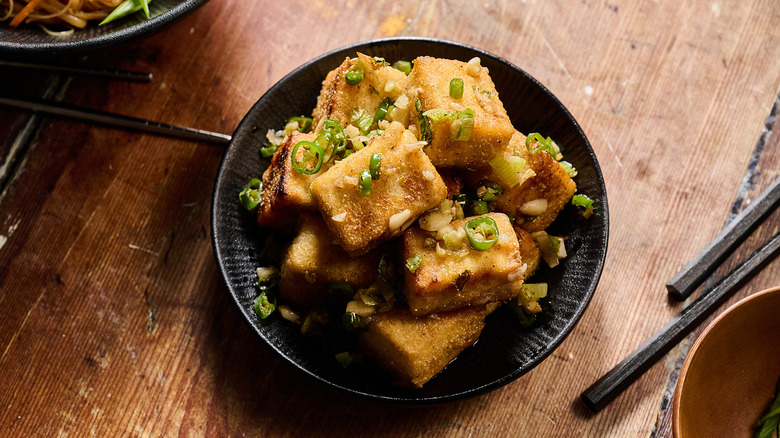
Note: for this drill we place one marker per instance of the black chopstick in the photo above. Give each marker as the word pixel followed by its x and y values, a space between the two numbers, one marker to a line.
pixel 623 374
pixel 682 285
pixel 117 120
pixel 100 72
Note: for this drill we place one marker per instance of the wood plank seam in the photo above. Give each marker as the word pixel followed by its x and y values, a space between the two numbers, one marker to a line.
pixel 748 183
pixel 22 143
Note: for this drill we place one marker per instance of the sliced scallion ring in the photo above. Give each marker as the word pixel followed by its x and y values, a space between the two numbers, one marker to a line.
pixel 364 182
pixel 374 166
pixel 310 160
pixel 264 306
pixel 250 195
pixel 304 123
pixel 482 232
pixel 544 144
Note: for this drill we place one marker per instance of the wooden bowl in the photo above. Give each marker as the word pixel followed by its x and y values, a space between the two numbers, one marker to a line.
pixel 729 377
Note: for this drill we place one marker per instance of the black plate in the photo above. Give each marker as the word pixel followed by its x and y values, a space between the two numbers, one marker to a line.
pixel 29 41
pixel 505 350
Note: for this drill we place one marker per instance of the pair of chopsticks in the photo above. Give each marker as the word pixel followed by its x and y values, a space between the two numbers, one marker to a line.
pixel 680 287
pixel 103 117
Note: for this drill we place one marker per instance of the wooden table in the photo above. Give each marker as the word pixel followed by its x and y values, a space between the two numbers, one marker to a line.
pixel 115 321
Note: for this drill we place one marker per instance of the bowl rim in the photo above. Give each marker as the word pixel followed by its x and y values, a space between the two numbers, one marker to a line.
pixel 677 403
pixel 497 383
pixel 80 47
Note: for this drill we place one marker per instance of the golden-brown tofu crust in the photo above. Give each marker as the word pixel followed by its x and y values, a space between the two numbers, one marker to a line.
pixel 529 252
pixel 429 82
pixel 416 348
pixel 494 274
pixel 551 183
pixel 313 261
pixel 408 186
pixel 337 98
pixel 285 191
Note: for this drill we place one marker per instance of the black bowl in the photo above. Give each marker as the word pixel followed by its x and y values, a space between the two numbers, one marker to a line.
pixel 505 350
pixel 30 42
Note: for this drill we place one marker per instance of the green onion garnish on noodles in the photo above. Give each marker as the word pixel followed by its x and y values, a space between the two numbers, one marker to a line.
pixel 125 8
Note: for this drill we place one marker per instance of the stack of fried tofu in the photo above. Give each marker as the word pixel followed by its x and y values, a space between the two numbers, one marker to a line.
pixel 340 234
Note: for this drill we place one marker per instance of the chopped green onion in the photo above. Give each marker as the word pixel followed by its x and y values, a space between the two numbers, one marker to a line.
pixel 335 135
pixel 404 66
pixel 461 122
pixel 770 422
pixel 569 168
pixel 544 144
pixel 534 291
pixel 413 262
pixel 374 166
pixel 364 182
pixel 304 123
pixel 263 306
pixel 482 232
pixel 505 171
pixel 268 151
pixel 583 202
pixel 362 119
pixel 352 321
pixel 456 88
pixel 250 195
pixel 462 279
pixel 125 8
pixel 354 77
pixel 341 289
pixel 488 191
pixel 311 160
pixel 384 109
pixel 525 318
pixel 267 277
pixel 426 134
pixel 344 358
pixel 477 207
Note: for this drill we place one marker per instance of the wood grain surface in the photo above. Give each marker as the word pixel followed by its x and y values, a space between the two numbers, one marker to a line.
pixel 113 317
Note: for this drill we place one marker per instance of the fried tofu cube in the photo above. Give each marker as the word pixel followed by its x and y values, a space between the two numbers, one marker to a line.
pixel 529 252
pixel 337 97
pixel 285 190
pixel 451 276
pixel 407 186
pixel 537 201
pixel 416 348
pixel 313 261
pixel 429 82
